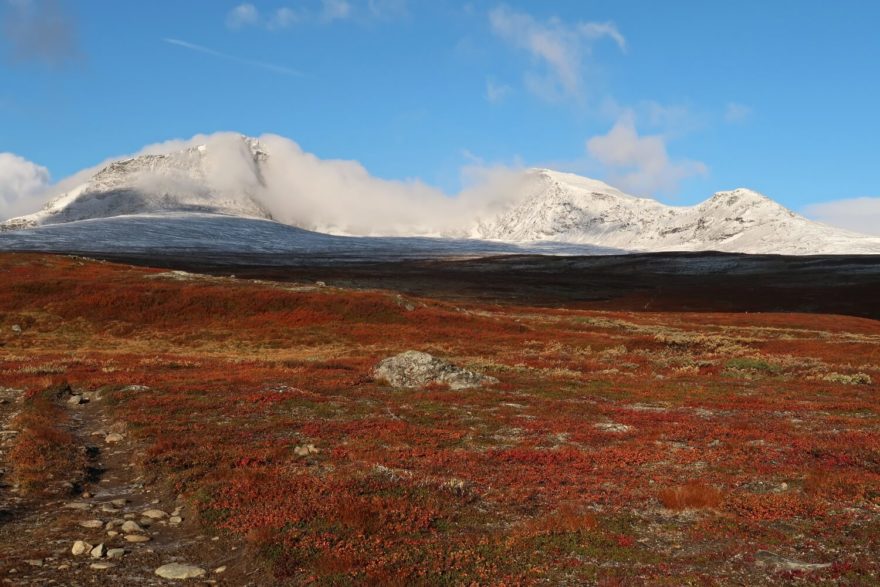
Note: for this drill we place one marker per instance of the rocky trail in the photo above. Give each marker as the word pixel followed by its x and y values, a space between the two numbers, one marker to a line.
pixel 110 527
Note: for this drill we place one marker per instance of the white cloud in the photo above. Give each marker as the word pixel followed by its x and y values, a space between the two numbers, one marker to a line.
pixel 335 10
pixel 856 214
pixel 297 187
pixel 496 92
pixel 243 15
pixel 735 113
pixel 22 184
pixel 322 12
pixel 640 164
pixel 598 30
pixel 284 17
pixel 388 9
pixel 559 48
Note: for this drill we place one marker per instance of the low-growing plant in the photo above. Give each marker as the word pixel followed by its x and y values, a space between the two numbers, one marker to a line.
pixel 852 379
pixel 752 364
pixel 44 454
pixel 691 495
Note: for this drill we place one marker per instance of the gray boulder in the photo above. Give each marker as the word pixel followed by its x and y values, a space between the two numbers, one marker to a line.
pixel 414 369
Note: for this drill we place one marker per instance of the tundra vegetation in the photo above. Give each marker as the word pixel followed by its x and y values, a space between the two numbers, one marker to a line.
pixel 615 448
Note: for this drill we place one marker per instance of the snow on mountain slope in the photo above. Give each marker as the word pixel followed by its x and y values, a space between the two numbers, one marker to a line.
pixel 237 238
pixel 563 207
pixel 188 180
pixel 273 179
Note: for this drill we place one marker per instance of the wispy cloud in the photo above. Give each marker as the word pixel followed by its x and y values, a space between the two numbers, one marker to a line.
pixel 280 69
pixel 284 17
pixel 388 9
pixel 323 12
pixel 40 31
pixel 496 92
pixel 242 15
pixel 856 214
pixel 559 48
pixel 735 113
pixel 640 164
pixel 335 10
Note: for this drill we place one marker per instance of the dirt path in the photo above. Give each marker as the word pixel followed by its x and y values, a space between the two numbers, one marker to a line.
pixel 37 534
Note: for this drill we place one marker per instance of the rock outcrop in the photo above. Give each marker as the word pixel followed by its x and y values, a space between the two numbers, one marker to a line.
pixel 415 369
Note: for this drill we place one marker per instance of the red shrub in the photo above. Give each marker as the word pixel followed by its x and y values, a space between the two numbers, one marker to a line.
pixel 692 495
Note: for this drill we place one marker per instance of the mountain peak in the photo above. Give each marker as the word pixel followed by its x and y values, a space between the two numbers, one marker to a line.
pixel 194 178
pixel 732 197
pixel 578 183
pixel 234 175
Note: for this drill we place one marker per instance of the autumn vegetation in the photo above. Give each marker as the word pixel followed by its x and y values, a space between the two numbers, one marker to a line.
pixel 45 452
pixel 617 447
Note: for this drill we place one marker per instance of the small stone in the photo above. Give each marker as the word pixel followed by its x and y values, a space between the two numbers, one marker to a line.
pixel 113 437
pixel 612 427
pixel 129 516
pixel 112 533
pixel 175 520
pixel 92 524
pixel 215 538
pixel 219 570
pixel 114 522
pixel 136 538
pixel 75 400
pixel 101 566
pixel 86 495
pixel 16 328
pixel 131 527
pixel 155 514
pixel 62 567
pixel 120 503
pixel 80 547
pixel 35 562
pixel 305 450
pixel 116 553
pixel 180 571
pixel 99 551
pixel 77 505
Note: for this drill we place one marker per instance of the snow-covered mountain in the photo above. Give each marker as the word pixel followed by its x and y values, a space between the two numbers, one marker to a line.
pixel 241 177
pixel 557 206
pixel 187 180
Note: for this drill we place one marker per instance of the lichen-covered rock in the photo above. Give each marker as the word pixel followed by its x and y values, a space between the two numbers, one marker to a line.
pixel 414 369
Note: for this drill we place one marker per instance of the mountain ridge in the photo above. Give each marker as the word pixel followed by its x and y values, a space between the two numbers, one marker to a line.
pixel 541 205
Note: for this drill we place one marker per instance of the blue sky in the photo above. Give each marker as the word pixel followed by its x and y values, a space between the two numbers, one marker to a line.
pixel 674 100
